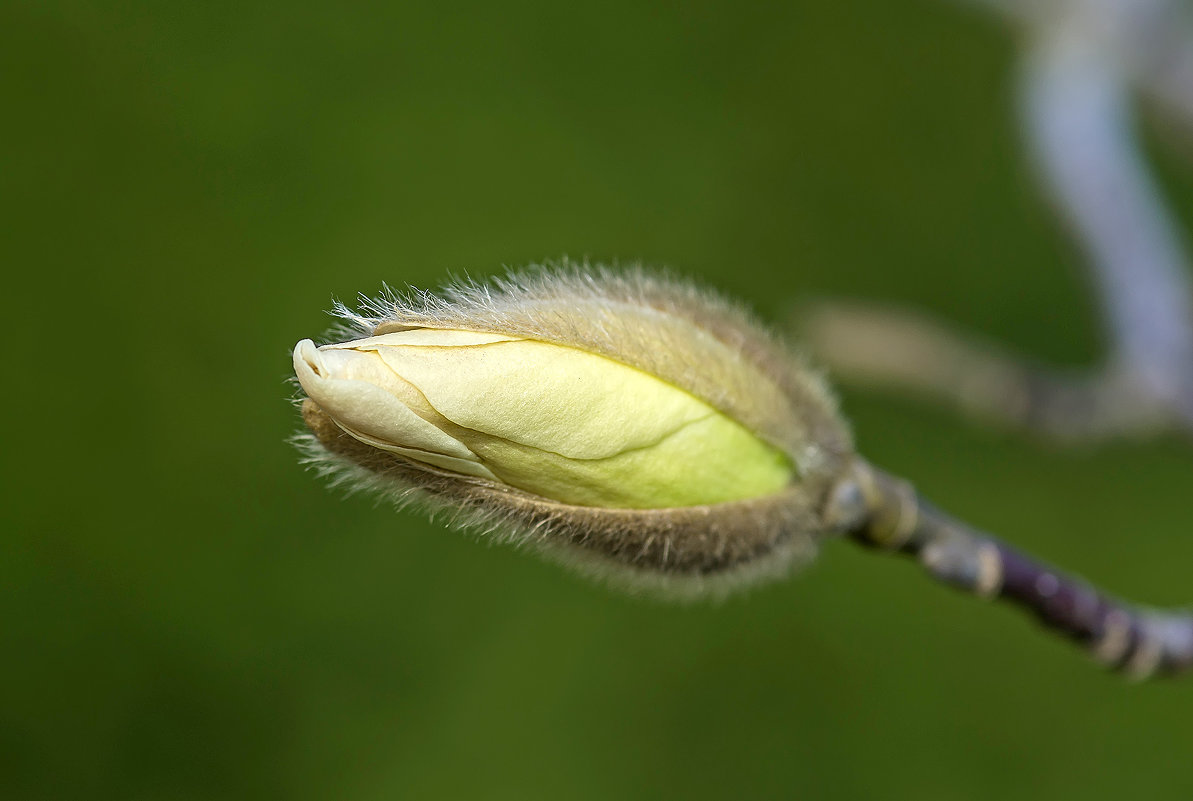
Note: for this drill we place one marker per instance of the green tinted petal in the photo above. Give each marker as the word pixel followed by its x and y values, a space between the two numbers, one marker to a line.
pixel 712 460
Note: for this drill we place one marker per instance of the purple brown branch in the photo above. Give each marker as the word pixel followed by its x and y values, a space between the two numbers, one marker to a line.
pixel 888 514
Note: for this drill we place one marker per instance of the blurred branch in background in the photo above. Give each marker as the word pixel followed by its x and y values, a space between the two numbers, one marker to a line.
pixel 1082 62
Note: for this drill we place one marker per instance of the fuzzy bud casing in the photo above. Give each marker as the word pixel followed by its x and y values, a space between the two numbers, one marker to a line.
pixel 627 423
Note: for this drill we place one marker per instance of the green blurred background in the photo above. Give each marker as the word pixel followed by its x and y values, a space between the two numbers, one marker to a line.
pixel 186 614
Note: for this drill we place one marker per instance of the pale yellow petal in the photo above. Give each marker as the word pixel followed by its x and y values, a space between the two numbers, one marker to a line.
pixel 360 403
pixel 549 397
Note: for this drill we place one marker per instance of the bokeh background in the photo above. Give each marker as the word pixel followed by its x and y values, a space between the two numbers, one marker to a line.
pixel 186 614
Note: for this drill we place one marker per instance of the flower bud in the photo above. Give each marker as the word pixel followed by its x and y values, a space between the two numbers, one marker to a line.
pixel 618 420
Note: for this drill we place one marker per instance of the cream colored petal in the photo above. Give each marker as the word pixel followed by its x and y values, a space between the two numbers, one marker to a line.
pixel 452 464
pixel 359 404
pixel 366 365
pixel 547 396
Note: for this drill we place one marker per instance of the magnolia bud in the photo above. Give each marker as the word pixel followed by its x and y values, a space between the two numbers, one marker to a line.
pixel 618 421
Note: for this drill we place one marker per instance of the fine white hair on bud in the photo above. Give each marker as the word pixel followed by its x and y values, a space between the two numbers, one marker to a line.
pixel 624 422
